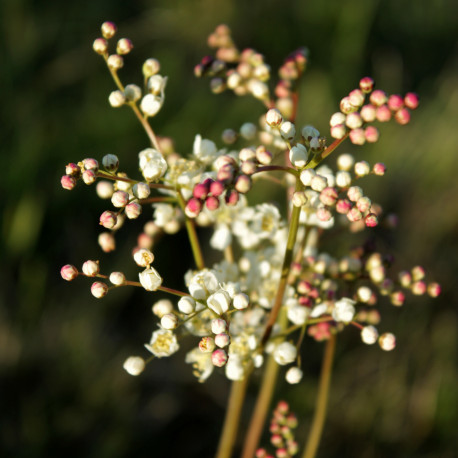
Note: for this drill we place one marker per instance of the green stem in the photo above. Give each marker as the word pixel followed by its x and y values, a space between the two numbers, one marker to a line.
pixel 192 234
pixel 232 418
pixel 322 400
pixel 320 157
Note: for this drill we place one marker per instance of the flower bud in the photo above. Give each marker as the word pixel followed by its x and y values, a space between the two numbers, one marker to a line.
pixel 222 340
pixel 104 189
pixel 132 92
pixel 366 84
pixel 162 307
pixel 91 268
pixel 356 97
pixel 318 183
pixel 117 278
pixel 115 62
pixel 288 130
pixel 99 289
pixel 383 113
pixel 395 102
pixel 116 99
pixel 89 177
pixel 120 199
pixel 378 98
pixel 108 29
pixel 371 133
pixel 411 100
pixel 353 120
pixel 133 210
pixel 186 305
pixel 219 358
pixel 150 104
pixel 108 219
pixel 218 326
pixel 150 67
pixel 206 344
pixel 344 310
pixel 141 190
pixel 368 113
pixel 298 155
pixel 231 197
pixel 387 341
pixel 243 184
pixel 110 162
pixel 150 279
pixel 169 321
pixel 293 376
pixel 402 116
pixel 134 365
pixel 357 136
pixel 337 119
pixel 369 335
pixel 248 130
pixel 69 272
pixel 379 169
pixel 338 131
pixel 299 199
pixel 107 242
pixel 263 156
pixel 100 46
pixel 143 258
pixel 285 353
pixel 124 46
pixel 273 118
pixel 193 207
pixel 241 301
pixel 68 182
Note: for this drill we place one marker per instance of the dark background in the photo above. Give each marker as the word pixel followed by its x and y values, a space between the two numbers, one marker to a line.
pixel 62 387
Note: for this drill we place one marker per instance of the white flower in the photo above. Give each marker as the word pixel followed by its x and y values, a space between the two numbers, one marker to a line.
pixel 221 238
pixel 306 176
pixel 344 310
pixel 143 257
pixel 294 375
pixel 285 353
pixel 134 365
pixel 298 314
pixel 150 279
pixel 152 164
pixel 151 104
pixel 202 284
pixel 156 85
pixel 219 302
pixel 201 363
pixel 163 343
pixel 163 214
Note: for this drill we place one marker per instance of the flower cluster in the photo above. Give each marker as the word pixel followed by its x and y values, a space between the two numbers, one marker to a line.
pixel 274 285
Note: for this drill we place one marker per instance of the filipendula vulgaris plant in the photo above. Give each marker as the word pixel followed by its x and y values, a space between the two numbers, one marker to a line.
pixel 251 311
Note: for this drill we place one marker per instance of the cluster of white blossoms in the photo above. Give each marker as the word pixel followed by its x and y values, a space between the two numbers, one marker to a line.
pixel 228 308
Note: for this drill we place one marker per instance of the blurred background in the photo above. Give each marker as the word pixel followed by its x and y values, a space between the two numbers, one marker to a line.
pixel 62 387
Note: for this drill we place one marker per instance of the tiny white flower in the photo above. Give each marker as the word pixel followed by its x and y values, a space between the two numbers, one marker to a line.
pixel 186 305
pixel 234 368
pixel 152 164
pixel 344 310
pixel 285 353
pixel 221 238
pixel 151 104
pixel 134 365
pixel 219 302
pixel 143 257
pixel 298 314
pixel 306 176
pixel 202 284
pixel 241 301
pixel 163 343
pixel 150 279
pixel 117 278
pixel 218 326
pixel 294 375
pixel 204 149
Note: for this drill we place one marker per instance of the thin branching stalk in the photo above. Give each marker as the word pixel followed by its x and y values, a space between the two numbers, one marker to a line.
pixel 321 401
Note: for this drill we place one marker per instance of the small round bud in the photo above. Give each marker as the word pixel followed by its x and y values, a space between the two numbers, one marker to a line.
pixel 162 307
pixel 218 326
pixel 371 220
pixel 273 117
pixel 222 340
pixel 378 98
pixel 368 113
pixel 343 179
pixel 318 183
pixel 91 268
pixel 212 203
pixel 186 305
pixel 117 278
pixel 294 375
pixel 371 133
pixel 150 104
pixel 299 199
pixel 356 97
pixel 369 335
pixel 354 215
pixel 395 102
pixel 108 219
pixel 193 207
pixel 298 155
pixel 288 130
pixel 99 289
pixel 219 358
pixel 434 289
pixel 248 131
pixel 68 182
pixel 364 294
pixel 169 321
pixel 328 196
pixel 354 120
pixel 231 197
pixel 120 199
pixel 69 272
pixel 150 67
pixel 243 184
pixel 141 190
pixel 345 162
pixel 150 279
pixel 108 29
pixel 110 162
pixel 107 242
pixel 263 156
pixel 362 168
pixel 132 92
pixel 104 189
pixel 411 100
pixel 216 188
pixel 116 99
pixel 387 341
pixel 402 116
pixel 338 131
pixel 357 136
pixel 124 46
pixel 229 136
pixel 383 113
pixel 115 62
pixel 379 169
pixel 206 344
pixel 418 288
pixel 89 177
pixel 100 46
pixel 134 365
pixel 337 118
pixel 366 84
pixel 133 210
pixel 354 193
pixel 90 164
pixel 241 301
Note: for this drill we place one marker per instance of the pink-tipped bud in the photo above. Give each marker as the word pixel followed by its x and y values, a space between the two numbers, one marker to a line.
pixel 276 440
pixel 99 289
pixel 379 169
pixel 354 193
pixel 206 344
pixel 402 116
pixel 274 117
pixel 91 268
pixel 212 203
pixel 248 167
pixel 108 29
pixel 363 204
pixel 216 188
pixel 193 207
pixel 263 156
pixel 261 453
pixel 378 98
pixel 338 131
pixel 418 273
pixel 366 84
pixel 371 220
pixel 419 288
pixel 397 298
pixel 243 184
pixel 225 173
pixel 68 182
pixel 328 196
pixel 343 206
pixel 323 214
pixel 90 164
pixel 231 197
pixel 120 199
pixel 89 177
pixel 124 46
pixel 69 272
pixel 73 170
pixel 282 453
pixel 107 242
pixel 133 210
pixel 108 219
pixel 395 102
pixel 219 358
pixel 222 340
pixel 356 97
pixel 353 120
pixel 368 113
pixel 434 289
pixel 201 190
pixel 371 133
pixel 100 46
pixel 357 136
pixel 346 107
pixel 411 100
pixel 383 113
pixel 354 215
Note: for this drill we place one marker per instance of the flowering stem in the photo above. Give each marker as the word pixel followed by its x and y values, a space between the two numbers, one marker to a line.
pixel 294 225
pixel 322 400
pixel 277 168
pixel 232 418
pixel 192 234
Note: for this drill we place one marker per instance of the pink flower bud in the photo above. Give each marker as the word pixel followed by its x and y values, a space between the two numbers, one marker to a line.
pixel 323 214
pixel 354 193
pixel 91 268
pixel 99 289
pixel 201 190
pixel 366 84
pixel 212 203
pixel 108 29
pixel 108 219
pixel 371 220
pixel 273 117
pixel 263 156
pixel 371 133
pixel 402 116
pixel 225 173
pixel 383 113
pixel 69 272
pixel 107 242
pixel 219 358
pixel 346 107
pixel 68 182
pixel 363 204
pixel 72 169
pixel 248 167
pixel 419 288
pixel 193 207
pixel 328 196
pixel 395 102
pixel 90 164
pixel 120 199
pixel 133 210
pixel 356 97
pixel 89 176
pixel 357 136
pixel 124 46
pixel 379 169
pixel 434 289
pixel 343 206
pixel 368 113
pixel 100 46
pixel 397 298
pixel 216 188
pixel 354 215
pixel 243 184
pixel 231 197
pixel 378 98
pixel 411 100
pixel 353 120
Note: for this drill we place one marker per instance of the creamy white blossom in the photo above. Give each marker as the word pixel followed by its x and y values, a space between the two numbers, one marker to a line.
pixel 285 353
pixel 134 365
pixel 344 310
pixel 152 164
pixel 150 279
pixel 163 343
